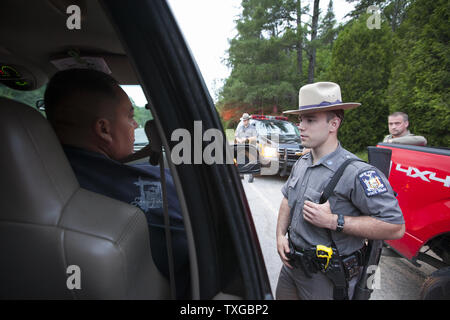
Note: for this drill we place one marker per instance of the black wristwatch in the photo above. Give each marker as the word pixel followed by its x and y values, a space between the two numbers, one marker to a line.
pixel 340 223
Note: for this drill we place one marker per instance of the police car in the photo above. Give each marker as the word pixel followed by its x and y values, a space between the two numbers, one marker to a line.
pixel 278 143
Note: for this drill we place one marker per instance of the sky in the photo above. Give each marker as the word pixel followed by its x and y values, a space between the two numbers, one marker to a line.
pixel 208 25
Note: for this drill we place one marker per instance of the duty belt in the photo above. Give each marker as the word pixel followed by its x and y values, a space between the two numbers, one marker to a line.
pixel 340 269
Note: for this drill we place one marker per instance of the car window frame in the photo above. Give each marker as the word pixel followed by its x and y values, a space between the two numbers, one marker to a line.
pixel 217 216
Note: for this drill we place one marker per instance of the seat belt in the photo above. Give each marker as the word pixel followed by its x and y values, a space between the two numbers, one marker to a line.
pixel 335 179
pixel 154 151
pixel 336 273
pixel 156 155
pixel 167 228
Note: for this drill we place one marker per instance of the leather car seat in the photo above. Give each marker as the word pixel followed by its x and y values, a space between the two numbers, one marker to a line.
pixel 49 223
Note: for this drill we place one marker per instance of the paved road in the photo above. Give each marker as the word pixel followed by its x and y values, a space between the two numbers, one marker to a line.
pixel 398 278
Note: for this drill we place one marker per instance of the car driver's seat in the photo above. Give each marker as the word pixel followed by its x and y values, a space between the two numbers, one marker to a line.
pixel 56 237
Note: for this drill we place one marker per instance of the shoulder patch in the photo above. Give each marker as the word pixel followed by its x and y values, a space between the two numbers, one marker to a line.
pixel 372 183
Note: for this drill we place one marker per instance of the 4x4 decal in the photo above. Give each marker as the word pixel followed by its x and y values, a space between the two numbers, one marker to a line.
pixel 416 173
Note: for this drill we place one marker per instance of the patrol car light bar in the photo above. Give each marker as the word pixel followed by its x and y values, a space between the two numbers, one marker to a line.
pixel 262 117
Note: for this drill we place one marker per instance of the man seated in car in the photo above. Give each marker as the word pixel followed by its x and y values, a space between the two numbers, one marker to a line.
pixel 93 118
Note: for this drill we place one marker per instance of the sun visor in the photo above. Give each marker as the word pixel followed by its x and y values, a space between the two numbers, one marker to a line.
pixel 115 65
pixel 95 63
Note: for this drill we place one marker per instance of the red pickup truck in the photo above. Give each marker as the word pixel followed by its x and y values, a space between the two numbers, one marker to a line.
pixel 421 178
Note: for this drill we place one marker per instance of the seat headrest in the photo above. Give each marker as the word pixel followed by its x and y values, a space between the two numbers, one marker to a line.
pixel 36 179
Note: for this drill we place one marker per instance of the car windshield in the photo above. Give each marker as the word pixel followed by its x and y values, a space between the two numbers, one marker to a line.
pixel 140 138
pixel 280 127
pixel 141 115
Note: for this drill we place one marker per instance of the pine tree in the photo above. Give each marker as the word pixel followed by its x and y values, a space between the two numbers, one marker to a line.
pixel 394 11
pixel 299 44
pixel 313 44
pixel 328 32
pixel 263 59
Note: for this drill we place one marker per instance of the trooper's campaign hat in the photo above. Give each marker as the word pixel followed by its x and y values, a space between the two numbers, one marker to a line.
pixel 321 96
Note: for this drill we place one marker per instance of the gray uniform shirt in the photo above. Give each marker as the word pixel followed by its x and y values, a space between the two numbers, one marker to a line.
pixel 362 190
pixel 246 132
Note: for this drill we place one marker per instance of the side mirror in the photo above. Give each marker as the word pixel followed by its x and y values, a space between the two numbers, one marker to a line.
pixel 381 159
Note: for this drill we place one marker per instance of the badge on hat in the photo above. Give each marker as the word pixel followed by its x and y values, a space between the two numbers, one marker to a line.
pixel 372 183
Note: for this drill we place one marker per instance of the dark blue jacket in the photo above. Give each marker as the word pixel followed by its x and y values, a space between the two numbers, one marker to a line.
pixel 139 185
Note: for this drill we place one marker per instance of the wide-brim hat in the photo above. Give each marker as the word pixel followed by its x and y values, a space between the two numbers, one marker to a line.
pixel 245 116
pixel 321 96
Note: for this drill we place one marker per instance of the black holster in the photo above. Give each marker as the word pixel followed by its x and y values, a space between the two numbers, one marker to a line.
pixel 301 259
pixel 371 258
pixel 336 273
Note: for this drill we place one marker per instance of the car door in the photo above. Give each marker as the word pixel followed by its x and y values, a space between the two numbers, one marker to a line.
pixel 224 250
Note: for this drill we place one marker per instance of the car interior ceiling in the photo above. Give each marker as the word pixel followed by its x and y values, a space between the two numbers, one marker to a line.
pixel 38 35
pixel 43 25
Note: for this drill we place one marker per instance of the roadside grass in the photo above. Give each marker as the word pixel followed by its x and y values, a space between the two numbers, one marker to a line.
pixel 229 134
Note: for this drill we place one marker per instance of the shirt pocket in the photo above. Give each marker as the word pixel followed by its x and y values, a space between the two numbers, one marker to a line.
pixel 312 195
pixel 292 193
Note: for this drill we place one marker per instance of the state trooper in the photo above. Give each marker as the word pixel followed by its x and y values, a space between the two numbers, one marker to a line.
pixel 362 206
pixel 245 132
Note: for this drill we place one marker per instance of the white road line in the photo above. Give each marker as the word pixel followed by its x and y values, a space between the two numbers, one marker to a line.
pixel 264 199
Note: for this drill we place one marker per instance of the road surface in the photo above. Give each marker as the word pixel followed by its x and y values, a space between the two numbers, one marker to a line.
pixel 398 278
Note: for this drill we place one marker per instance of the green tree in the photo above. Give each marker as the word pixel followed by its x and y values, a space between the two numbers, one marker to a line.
pixel 268 59
pixel 299 43
pixel 141 115
pixel 361 64
pixel 394 11
pixel 420 79
pixel 313 44
pixel 262 57
pixel 328 31
pixel 327 35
